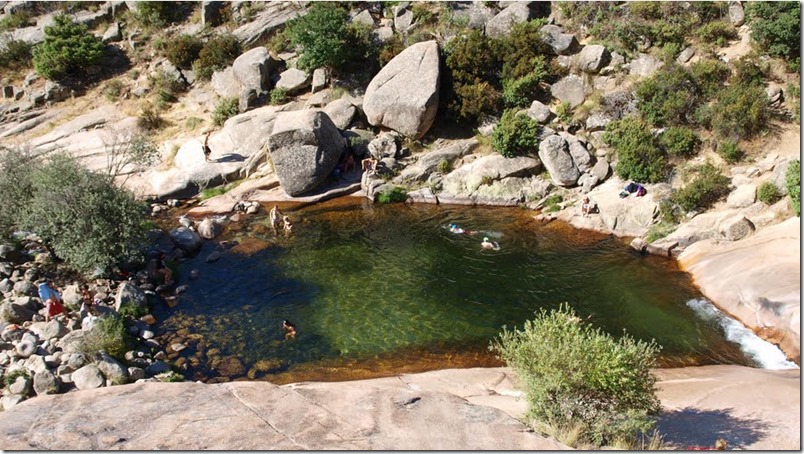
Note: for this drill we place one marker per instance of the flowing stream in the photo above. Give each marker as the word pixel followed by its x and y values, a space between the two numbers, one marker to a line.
pixel 377 290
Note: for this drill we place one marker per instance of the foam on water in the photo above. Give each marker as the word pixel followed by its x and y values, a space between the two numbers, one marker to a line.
pixel 767 355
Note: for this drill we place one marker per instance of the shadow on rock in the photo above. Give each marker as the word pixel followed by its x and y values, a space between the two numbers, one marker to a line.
pixel 695 427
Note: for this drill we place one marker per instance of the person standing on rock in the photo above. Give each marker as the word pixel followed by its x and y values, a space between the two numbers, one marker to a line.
pixel 276 219
pixel 207 151
pixel 51 298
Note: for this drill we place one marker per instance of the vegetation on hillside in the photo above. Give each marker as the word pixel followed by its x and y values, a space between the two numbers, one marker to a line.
pixel 576 376
pixel 69 48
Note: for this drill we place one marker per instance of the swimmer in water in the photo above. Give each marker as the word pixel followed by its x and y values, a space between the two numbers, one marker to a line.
pixel 290 329
pixel 455 229
pixel 486 244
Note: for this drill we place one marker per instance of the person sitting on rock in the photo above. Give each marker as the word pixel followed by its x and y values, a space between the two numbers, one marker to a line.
pixel 369 164
pixel 290 329
pixel 207 150
pixel 587 207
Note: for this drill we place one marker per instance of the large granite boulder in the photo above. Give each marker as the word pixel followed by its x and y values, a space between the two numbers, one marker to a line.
pixel 186 239
pixel 561 43
pixel 293 80
pixel 736 14
pixel 112 369
pixel 593 58
pixel 403 18
pixel 403 96
pixel 500 25
pixel 270 18
pixel 467 179
pixel 341 112
pixel 554 153
pixel 224 83
pixel 305 147
pixel 15 313
pixel 580 155
pixel 570 89
pixel 743 196
pixel 128 293
pixel 428 163
pixel 736 228
pixel 252 68
pixel 88 377
pixel 45 382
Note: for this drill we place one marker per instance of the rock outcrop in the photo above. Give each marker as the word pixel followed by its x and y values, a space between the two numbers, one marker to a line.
pixel 555 156
pixel 305 147
pixel 403 96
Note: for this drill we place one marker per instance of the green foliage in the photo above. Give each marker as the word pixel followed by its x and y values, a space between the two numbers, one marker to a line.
pixel 792 181
pixel 707 187
pixel 278 96
pixel 390 49
pixel 183 51
pixel 522 50
pixel 225 109
pixel 776 27
pixel 132 310
pixel 322 35
pixel 395 195
pixel 564 112
pixel 638 156
pixel 740 111
pixel 108 335
pixel 192 122
pixel 69 48
pixel 84 218
pixel 471 84
pixel 113 89
pixel 718 32
pixel 150 119
pixel 730 152
pixel 158 14
pixel 11 377
pixel 659 231
pixel 515 135
pixel 218 52
pixel 768 193
pixel 279 42
pixel 17 19
pixel 552 203
pixel 16 186
pixel 793 100
pixel 668 96
pixel 522 91
pixel 575 374
pixel 15 55
pixel 710 74
pixel 679 141
pixel 443 166
pixel 749 71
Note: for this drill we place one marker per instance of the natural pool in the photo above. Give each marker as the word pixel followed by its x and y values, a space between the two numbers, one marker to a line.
pixel 376 290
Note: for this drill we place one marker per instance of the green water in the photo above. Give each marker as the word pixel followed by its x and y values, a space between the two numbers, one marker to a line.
pixel 373 289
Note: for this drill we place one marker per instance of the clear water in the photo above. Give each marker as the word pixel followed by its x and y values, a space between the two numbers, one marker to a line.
pixel 376 290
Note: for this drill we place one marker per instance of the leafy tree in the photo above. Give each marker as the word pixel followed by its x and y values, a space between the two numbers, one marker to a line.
pixel 471 82
pixel 576 375
pixel 521 92
pixel 776 27
pixel 679 141
pixel 158 14
pixel 322 35
pixel 740 112
pixel 15 54
pixel 709 75
pixel 668 96
pixel 792 181
pixel 69 48
pixel 16 185
pixel 522 50
pixel 84 218
pixel 638 156
pixel 515 135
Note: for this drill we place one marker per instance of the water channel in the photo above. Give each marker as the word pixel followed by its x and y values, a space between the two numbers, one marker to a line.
pixel 377 290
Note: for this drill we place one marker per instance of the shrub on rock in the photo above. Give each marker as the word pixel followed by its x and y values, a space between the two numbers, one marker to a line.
pixel 515 135
pixel 218 52
pixel 793 184
pixel 322 34
pixel 679 141
pixel 183 51
pixel 576 375
pixel 638 156
pixel 225 109
pixel 707 187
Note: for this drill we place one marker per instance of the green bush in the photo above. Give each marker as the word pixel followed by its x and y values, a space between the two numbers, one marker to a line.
pixel 768 193
pixel 679 141
pixel 710 74
pixel 158 14
pixel 322 35
pixel 515 135
pixel 183 51
pixel 395 195
pixel 225 109
pixel 218 52
pixel 15 55
pixel 522 50
pixel 793 100
pixel 729 151
pixel 14 375
pixel 792 181
pixel 707 187
pixel 564 112
pixel 16 186
pixel 108 335
pixel 82 216
pixel 667 97
pixel 471 84
pixel 638 156
pixel 740 111
pixel 776 27
pixel 17 19
pixel 718 32
pixel 113 89
pixel 552 203
pixel 150 119
pixel 574 374
pixel 278 96
pixel 443 166
pixel 132 310
pixel 69 48
pixel 749 71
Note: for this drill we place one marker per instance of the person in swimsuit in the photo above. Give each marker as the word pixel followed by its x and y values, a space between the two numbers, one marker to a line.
pixel 290 329
pixel 207 151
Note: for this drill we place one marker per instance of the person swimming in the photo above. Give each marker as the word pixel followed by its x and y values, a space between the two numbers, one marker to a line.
pixel 455 229
pixel 486 244
pixel 290 329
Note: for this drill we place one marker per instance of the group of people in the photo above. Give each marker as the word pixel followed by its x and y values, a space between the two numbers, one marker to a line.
pixel 280 221
pixel 54 305
pixel 485 244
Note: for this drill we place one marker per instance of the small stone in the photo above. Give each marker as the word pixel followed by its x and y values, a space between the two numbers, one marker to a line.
pixel 158 367
pixel 148 318
pixel 177 347
pixel 194 274
pixel 26 348
pixel 213 257
pixel 147 334
pixel 136 373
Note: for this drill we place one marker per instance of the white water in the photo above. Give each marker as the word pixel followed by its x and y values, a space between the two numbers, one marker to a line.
pixel 767 355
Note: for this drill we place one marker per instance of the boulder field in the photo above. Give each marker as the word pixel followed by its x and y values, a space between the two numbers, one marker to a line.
pixel 464 409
